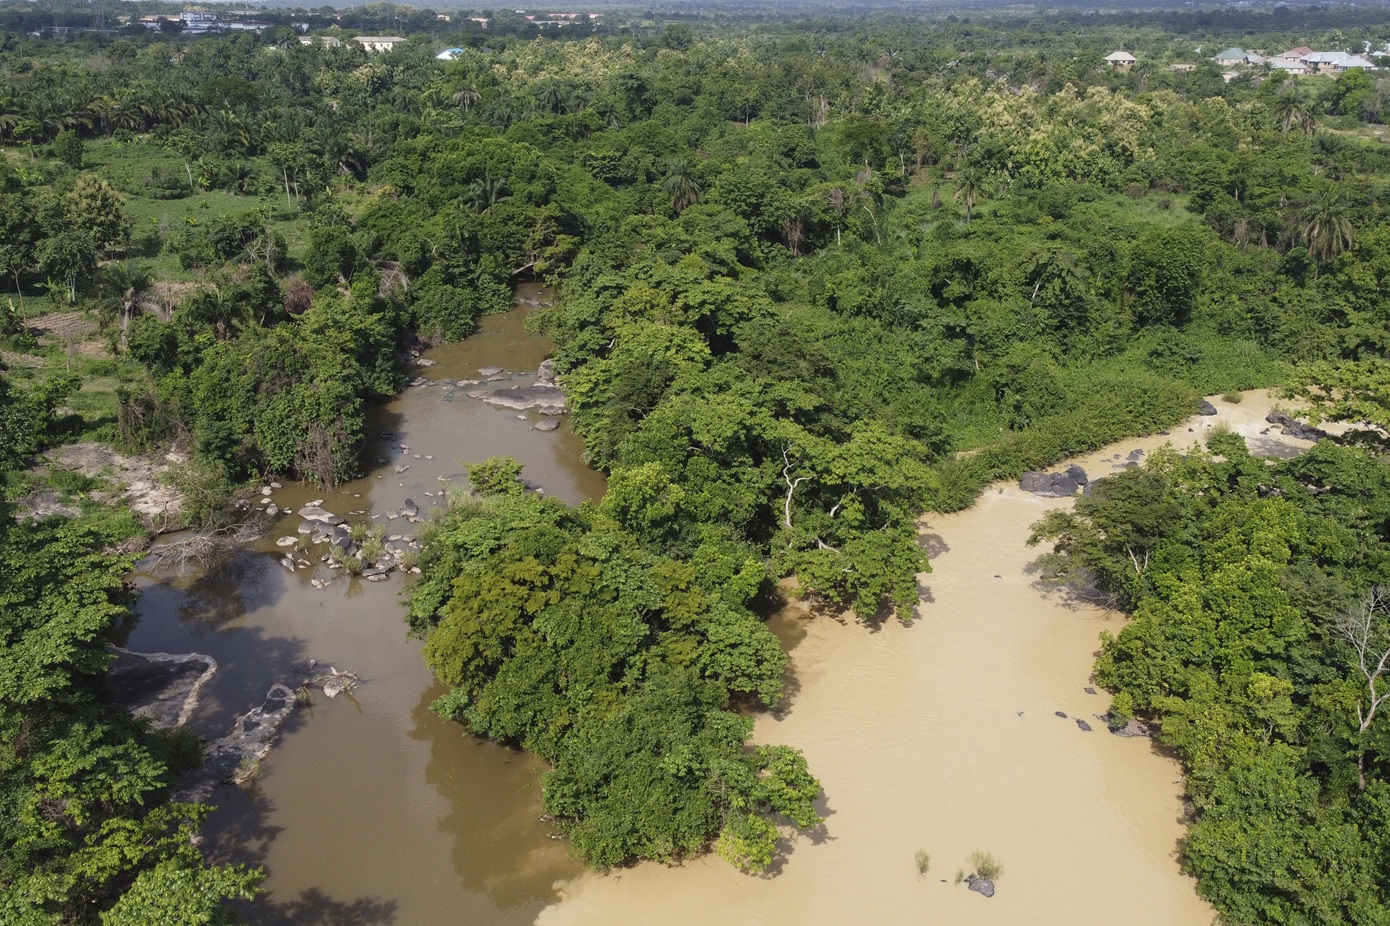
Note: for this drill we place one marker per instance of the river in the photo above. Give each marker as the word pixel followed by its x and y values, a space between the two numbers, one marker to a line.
pixel 374 810
pixel 940 736
pixel 943 737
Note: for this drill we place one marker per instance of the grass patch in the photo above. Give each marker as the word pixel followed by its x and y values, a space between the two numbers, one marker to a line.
pixel 986 865
pixel 923 861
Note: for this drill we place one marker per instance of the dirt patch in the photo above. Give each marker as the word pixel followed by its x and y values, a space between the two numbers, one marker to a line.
pixel 137 481
pixel 60 327
pixel 44 504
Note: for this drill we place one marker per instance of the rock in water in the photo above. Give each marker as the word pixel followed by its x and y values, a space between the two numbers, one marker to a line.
pixel 982 886
pixel 1290 427
pixel 286 541
pixel 1077 475
pixel 1061 714
pixel 521 397
pixel 1052 485
pixel 410 509
pixel 547 424
pixel 160 687
pixel 1208 408
pixel 489 371
pixel 545 376
pixel 315 513
pixel 1083 725
pixel 1133 728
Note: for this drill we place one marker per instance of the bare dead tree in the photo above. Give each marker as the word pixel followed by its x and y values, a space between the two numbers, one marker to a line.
pixel 792 485
pixel 1366 626
pixel 201 550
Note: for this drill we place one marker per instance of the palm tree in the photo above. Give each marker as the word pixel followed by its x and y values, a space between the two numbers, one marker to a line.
pixel 551 98
pixel 1294 113
pixel 466 97
pixel 970 186
pixel 680 185
pixel 486 192
pixel 1324 228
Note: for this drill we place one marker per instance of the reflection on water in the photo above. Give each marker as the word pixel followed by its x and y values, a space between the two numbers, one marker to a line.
pixel 376 811
pixel 516 874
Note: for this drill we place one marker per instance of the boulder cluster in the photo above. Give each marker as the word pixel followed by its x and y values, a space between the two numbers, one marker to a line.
pixel 1055 485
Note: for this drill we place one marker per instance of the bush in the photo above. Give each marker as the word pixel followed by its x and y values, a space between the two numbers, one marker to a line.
pixel 986 865
pixel 923 860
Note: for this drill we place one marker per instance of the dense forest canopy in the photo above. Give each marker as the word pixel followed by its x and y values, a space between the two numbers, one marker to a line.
pixel 815 276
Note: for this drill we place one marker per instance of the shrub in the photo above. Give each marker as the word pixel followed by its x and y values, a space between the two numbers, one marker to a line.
pixel 986 865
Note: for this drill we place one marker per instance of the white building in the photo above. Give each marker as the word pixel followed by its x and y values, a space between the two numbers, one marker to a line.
pixel 375 43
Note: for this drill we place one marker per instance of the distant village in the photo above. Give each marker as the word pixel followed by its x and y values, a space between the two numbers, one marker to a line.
pixel 198 22
pixel 1296 62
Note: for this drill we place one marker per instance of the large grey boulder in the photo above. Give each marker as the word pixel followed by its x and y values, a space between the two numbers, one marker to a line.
pixel 1051 485
pixel 522 397
pixel 545 376
pixel 547 424
pixel 1291 427
pixel 982 886
pixel 1208 408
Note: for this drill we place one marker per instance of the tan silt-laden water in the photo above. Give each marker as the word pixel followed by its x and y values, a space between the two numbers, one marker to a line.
pixel 942 736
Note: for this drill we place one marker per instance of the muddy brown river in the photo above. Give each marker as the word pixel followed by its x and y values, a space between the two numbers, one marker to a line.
pixel 374 810
pixel 940 736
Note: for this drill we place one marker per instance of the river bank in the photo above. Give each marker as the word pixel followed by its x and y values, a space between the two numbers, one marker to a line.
pixel 943 736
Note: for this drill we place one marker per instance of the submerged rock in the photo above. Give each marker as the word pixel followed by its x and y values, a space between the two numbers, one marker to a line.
pixel 547 424
pixel 161 687
pixel 233 758
pixel 521 397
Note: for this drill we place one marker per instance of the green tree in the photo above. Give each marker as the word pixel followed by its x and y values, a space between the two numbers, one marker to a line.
pixel 67 147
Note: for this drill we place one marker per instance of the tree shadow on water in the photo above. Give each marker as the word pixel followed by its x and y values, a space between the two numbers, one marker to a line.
pixel 502 847
pixel 239 830
pixel 314 908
